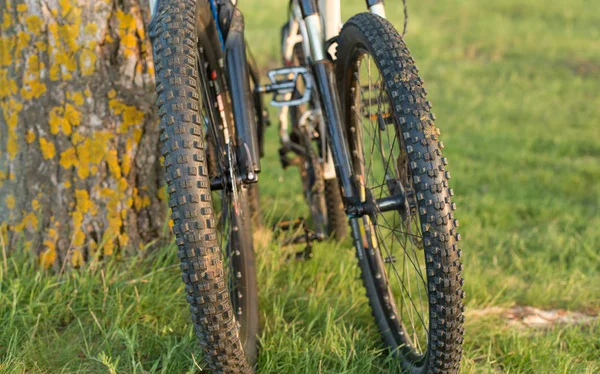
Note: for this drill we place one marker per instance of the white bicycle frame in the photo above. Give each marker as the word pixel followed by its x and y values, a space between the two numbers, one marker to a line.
pixel 309 31
pixel 153 4
pixel 330 16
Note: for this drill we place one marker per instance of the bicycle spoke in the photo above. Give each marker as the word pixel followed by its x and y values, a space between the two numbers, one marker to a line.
pixel 381 175
pixel 417 268
pixel 406 289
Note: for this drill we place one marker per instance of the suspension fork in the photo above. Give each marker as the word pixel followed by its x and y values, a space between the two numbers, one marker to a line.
pixel 236 65
pixel 376 7
pixel 324 75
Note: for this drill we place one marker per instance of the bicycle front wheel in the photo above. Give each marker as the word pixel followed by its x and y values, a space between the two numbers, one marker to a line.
pixel 213 235
pixel 409 256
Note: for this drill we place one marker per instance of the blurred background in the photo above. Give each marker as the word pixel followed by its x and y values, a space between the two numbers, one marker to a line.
pixel 515 87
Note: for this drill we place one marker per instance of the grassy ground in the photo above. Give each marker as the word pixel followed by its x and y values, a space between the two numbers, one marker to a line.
pixel 515 89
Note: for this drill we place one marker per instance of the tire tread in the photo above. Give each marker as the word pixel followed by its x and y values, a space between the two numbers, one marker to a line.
pixel 430 178
pixel 174 38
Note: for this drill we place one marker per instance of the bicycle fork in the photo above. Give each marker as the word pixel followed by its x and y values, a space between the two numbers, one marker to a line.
pixel 324 76
pixel 355 202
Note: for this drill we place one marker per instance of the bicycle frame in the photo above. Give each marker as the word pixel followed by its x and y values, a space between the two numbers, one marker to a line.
pixel 330 14
pixel 311 26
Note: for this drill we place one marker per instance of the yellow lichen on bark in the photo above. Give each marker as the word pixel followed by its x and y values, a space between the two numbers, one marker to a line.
pixel 48 255
pixel 72 115
pixel 29 221
pixel 84 207
pixel 7 46
pixel 162 193
pixel 34 24
pixel 87 59
pixel 65 46
pixel 11 109
pixel 89 152
pixel 8 86
pixel 48 149
pixel 7 20
pixel 86 147
pixel 30 136
pixel 56 121
pixel 33 87
pixel 131 115
pixel 10 202
pixel 76 97
pixel 84 204
pixel 114 167
pixel 140 202
pixel 68 159
pixel 127 32
pixel 23 40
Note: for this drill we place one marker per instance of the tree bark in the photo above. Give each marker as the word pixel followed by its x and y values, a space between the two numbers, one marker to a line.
pixel 80 174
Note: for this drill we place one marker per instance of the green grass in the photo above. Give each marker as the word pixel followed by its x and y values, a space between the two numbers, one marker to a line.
pixel 515 89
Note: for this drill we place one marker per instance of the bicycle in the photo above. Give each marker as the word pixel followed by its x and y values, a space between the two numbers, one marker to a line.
pixel 360 122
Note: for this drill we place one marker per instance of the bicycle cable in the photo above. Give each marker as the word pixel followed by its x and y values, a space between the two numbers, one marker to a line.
pixel 405 18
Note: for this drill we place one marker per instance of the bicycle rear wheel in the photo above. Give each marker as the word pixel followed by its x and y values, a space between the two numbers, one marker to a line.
pixel 322 195
pixel 213 235
pixel 409 256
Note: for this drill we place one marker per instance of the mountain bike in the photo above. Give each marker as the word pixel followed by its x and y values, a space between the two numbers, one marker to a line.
pixel 353 116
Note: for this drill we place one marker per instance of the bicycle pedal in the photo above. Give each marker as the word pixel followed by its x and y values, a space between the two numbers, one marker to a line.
pixel 302 255
pixel 307 238
pixel 284 86
pixel 287 161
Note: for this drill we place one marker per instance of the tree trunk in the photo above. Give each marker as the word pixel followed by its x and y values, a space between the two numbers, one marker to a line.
pixel 80 175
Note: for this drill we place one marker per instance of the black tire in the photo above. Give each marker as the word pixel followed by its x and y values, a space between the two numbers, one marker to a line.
pixel 313 187
pixel 337 221
pixel 322 195
pixel 254 203
pixel 415 171
pixel 179 87
pixel 243 287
